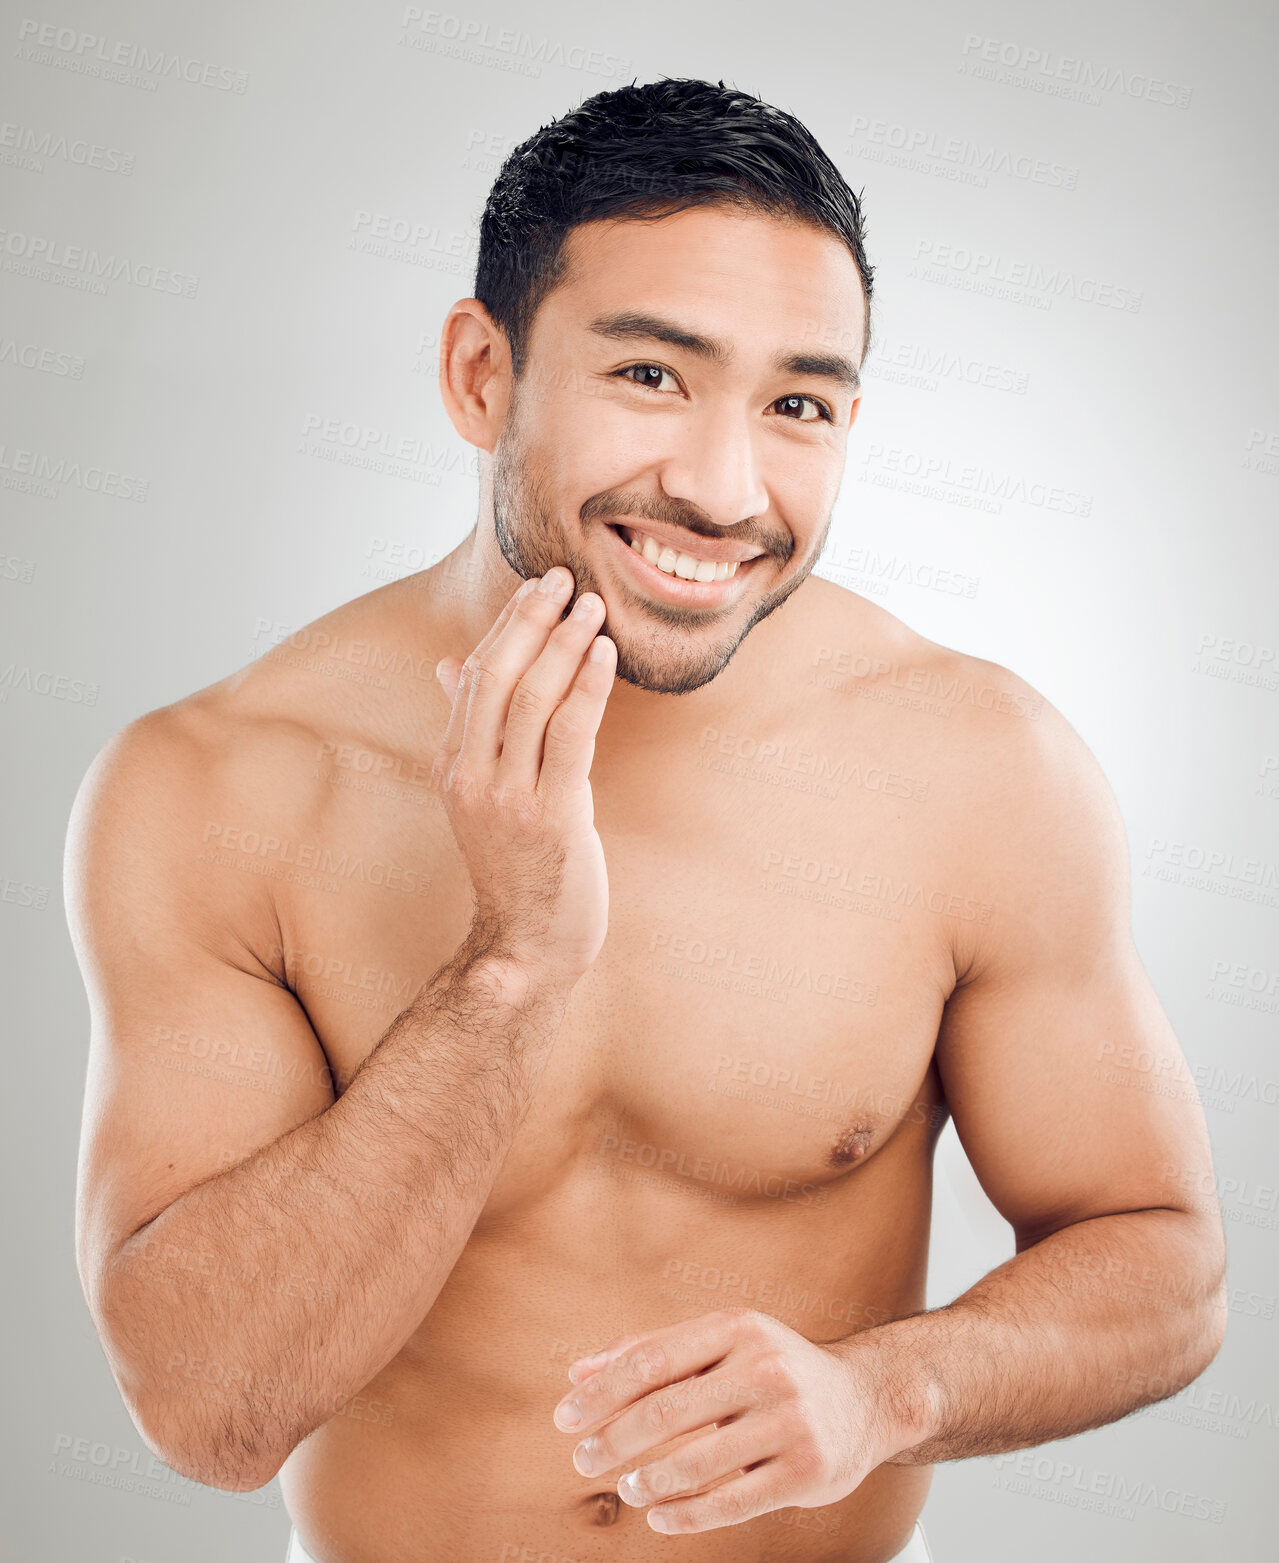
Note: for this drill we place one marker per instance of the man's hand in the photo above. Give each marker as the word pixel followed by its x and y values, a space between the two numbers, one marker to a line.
pixel 782 1422
pixel 514 769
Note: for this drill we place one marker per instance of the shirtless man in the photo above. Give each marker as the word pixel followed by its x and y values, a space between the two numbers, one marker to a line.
pixel 520 1036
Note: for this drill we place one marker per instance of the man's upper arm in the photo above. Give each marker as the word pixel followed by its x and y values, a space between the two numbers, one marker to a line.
pixel 1069 1091
pixel 197 1055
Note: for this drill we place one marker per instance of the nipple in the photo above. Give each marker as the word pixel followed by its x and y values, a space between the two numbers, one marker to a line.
pixel 852 1146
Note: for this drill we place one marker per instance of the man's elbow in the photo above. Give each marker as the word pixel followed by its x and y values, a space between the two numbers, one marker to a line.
pixel 1207 1303
pixel 1212 1324
pixel 222 1453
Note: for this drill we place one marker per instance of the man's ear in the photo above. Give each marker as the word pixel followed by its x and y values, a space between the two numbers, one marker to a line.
pixel 475 373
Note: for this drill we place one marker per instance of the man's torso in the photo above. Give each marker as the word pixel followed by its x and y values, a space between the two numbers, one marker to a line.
pixel 741 1105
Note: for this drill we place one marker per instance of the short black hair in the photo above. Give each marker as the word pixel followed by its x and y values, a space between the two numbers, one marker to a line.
pixel 647 152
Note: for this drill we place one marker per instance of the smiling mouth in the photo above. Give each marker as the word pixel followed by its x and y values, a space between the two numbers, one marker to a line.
pixel 685 565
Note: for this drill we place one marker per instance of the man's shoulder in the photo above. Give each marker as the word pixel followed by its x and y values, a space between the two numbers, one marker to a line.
pixel 1015 770
pixel 328 681
pixel 241 759
pixel 976 707
pixel 156 800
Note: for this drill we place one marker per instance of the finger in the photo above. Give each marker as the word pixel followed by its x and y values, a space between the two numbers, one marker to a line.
pixel 538 693
pixel 661 1357
pixel 448 670
pixel 742 1498
pixel 595 1360
pixel 696 1404
pixel 456 686
pixel 701 1464
pixel 569 746
pixel 505 658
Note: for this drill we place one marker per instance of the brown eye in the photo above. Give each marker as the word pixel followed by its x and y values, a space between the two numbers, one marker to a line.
pixel 823 414
pixel 650 375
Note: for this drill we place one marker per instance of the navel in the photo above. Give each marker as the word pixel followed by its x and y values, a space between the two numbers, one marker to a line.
pixel 606 1508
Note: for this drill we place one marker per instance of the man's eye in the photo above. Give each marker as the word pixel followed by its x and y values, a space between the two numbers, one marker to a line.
pixel 650 375
pixel 823 412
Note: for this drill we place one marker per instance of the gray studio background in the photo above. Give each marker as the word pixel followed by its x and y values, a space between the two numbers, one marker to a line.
pixel 1067 462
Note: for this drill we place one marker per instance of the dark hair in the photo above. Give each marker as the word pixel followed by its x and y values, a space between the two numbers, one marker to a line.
pixel 646 152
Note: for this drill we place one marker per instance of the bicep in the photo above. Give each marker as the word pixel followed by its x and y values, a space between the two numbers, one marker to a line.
pixel 1070 1093
pixel 195 1061
pixel 1069 1090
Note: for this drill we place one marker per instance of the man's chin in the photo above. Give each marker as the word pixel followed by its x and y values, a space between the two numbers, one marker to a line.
pixel 669 673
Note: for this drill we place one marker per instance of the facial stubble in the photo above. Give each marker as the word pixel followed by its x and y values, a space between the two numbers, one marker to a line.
pixel 679 650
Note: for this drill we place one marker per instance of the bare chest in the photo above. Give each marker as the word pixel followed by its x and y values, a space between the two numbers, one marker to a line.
pixel 764 1009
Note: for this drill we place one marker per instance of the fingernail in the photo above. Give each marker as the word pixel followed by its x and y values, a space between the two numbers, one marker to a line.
pixel 583 607
pixel 527 587
pixel 568 1415
pixel 555 580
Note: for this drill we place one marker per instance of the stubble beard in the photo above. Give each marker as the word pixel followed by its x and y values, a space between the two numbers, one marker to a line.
pixel 678 650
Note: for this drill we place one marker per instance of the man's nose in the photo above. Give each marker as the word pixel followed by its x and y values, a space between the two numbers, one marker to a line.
pixel 716 467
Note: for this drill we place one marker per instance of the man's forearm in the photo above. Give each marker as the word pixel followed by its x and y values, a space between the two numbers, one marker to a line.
pixel 301 1272
pixel 1093 1321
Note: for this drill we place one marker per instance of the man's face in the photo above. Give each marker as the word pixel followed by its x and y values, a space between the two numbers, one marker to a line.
pixel 625 428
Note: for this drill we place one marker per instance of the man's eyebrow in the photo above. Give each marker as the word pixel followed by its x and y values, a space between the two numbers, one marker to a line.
pixel 632 325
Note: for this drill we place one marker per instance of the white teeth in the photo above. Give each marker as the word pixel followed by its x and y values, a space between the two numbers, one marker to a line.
pixel 683 565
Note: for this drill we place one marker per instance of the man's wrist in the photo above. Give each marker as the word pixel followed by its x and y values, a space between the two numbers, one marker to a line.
pixel 515 984
pixel 891 1367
